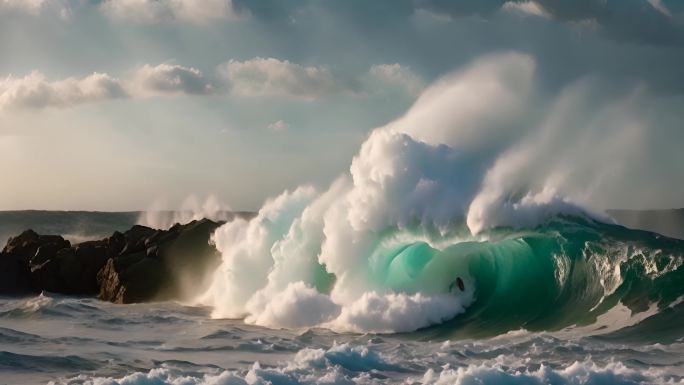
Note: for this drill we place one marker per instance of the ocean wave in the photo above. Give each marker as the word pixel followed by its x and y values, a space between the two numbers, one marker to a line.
pixel 578 373
pixel 340 364
pixel 49 305
pixel 449 196
pixel 570 273
pixel 313 367
pixel 11 336
pixel 45 363
pixel 175 353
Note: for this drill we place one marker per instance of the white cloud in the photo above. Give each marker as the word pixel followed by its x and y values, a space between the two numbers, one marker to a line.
pixel 280 125
pixel 526 8
pixel 273 77
pixel 258 77
pixel 660 7
pixel 36 91
pixel 396 75
pixel 191 11
pixel 28 6
pixel 36 7
pixel 167 79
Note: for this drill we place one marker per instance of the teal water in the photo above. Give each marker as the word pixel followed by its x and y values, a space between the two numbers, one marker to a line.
pixel 572 301
pixel 566 272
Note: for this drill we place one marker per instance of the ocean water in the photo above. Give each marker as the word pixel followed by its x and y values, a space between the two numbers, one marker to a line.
pixel 75 226
pixel 354 282
pixel 52 339
pixel 570 301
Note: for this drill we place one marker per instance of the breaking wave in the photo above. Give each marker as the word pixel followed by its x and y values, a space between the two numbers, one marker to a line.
pixel 342 365
pixel 472 187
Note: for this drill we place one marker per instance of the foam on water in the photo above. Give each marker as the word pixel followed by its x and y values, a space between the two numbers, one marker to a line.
pixel 585 372
pixel 428 196
pixel 168 343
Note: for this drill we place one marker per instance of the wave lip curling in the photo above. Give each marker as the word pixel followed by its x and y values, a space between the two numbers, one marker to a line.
pixel 423 204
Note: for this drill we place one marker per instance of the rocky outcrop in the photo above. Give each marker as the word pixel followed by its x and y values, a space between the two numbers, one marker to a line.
pixel 141 264
pixel 25 260
pixel 14 270
pixel 161 264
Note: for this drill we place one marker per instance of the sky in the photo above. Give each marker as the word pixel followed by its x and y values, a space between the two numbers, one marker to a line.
pixel 118 104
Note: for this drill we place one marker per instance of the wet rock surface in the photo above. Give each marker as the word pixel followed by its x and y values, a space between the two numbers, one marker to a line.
pixel 141 264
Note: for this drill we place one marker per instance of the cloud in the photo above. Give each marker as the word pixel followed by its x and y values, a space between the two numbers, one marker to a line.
pixel 615 18
pixel 36 7
pixel 154 11
pixel 280 125
pixel 388 76
pixel 269 9
pixel 257 77
pixel 36 91
pixel 273 77
pixel 660 21
pixel 461 8
pixel 526 8
pixel 660 7
pixel 28 6
pixel 610 17
pixel 167 79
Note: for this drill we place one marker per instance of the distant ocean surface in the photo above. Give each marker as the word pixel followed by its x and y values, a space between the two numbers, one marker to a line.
pixel 79 226
pixel 75 226
pixel 570 301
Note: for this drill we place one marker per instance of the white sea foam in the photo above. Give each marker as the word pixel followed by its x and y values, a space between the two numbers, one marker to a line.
pixel 578 373
pixel 160 215
pixel 474 147
pixel 342 365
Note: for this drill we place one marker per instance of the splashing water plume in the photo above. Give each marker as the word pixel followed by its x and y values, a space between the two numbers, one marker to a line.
pixel 446 191
pixel 158 216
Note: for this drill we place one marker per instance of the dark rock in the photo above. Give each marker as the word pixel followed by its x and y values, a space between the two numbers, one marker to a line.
pixel 135 238
pixel 14 275
pixel 31 245
pixel 22 243
pixel 116 243
pixel 80 269
pixel 46 252
pixel 45 276
pixel 28 265
pixel 70 270
pixel 152 251
pixel 141 264
pixel 131 278
pixel 190 255
pixel 145 280
pixel 26 244
pixel 175 263
pixel 33 263
pixel 53 239
pixel 109 282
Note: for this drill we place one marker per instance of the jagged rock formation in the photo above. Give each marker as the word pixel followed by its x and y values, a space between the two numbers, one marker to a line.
pixel 141 264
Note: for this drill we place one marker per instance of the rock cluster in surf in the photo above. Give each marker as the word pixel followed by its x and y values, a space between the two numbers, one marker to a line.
pixel 138 265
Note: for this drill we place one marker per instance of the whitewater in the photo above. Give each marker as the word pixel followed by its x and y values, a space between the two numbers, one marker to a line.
pixel 485 179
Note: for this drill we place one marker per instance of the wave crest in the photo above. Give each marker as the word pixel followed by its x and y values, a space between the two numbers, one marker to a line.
pixel 436 196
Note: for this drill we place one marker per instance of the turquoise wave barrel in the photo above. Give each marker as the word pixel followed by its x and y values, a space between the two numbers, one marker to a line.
pixel 566 272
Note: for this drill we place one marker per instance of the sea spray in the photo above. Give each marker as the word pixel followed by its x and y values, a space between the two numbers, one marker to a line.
pixel 160 215
pixel 449 191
